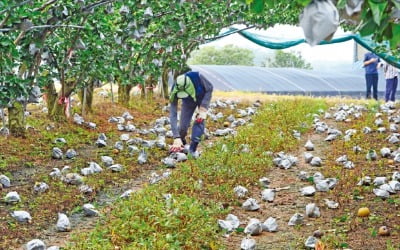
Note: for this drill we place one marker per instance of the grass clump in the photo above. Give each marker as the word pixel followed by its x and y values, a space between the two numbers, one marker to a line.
pixel 150 221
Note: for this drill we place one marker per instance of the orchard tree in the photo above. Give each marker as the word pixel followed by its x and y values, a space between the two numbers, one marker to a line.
pixel 227 55
pixel 14 86
pixel 134 42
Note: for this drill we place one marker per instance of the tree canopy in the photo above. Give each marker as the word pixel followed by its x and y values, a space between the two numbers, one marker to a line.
pixel 136 41
pixel 227 55
pixel 288 59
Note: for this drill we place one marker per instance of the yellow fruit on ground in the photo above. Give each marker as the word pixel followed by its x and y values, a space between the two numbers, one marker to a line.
pixel 115 151
pixel 363 212
pixel 319 245
pixel 383 231
pixel 226 124
pixel 390 161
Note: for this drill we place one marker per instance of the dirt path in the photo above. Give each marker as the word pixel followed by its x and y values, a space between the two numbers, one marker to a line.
pixel 288 202
pixel 105 200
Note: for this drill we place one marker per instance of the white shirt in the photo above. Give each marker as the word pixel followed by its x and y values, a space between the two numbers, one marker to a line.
pixel 389 70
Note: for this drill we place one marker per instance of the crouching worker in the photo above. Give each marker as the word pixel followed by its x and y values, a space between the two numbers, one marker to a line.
pixel 195 91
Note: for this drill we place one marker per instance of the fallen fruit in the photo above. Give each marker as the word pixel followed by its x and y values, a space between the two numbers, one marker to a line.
pixel 116 151
pixel 363 212
pixel 226 124
pixel 390 162
pixel 383 231
pixel 319 245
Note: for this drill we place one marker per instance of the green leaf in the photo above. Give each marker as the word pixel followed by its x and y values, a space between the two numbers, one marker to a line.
pixel 240 229
pixel 374 232
pixel 257 6
pixel 368 28
pixel 395 41
pixel 396 3
pixel 378 9
pixel 303 2
pixel 341 4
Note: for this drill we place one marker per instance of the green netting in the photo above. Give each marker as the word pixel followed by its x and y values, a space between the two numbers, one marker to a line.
pixel 267 42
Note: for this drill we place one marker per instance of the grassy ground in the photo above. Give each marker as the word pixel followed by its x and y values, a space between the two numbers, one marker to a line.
pixel 252 96
pixel 27 161
pixel 201 190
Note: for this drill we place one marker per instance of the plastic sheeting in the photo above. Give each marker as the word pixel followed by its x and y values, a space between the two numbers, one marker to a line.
pixel 279 43
pixel 287 80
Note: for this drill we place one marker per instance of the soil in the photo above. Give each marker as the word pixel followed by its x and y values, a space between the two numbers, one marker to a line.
pixel 341 227
pixel 104 200
pixel 286 203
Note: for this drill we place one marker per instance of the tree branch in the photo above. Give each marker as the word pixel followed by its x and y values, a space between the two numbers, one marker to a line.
pixel 45 5
pixel 5 19
pixel 20 36
pixel 95 5
pixel 47 26
pixel 15 6
pixel 57 26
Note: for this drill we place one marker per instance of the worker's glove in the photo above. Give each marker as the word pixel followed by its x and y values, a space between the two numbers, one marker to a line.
pixel 177 146
pixel 201 115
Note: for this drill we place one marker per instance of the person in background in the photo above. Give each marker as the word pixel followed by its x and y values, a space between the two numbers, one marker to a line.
pixel 391 76
pixel 371 74
pixel 195 91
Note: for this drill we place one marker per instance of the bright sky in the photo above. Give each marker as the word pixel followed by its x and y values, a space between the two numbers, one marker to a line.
pixel 321 57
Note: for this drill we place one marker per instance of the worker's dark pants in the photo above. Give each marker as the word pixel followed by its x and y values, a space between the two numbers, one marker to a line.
pixel 188 108
pixel 372 81
pixel 391 87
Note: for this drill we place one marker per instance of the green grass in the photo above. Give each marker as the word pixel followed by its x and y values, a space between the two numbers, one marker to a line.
pixel 147 221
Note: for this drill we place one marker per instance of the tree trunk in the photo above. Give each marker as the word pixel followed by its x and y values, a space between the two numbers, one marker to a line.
pixel 3 118
pixel 143 92
pixel 60 109
pixel 165 87
pixel 150 85
pixel 59 104
pixel 57 113
pixel 16 119
pixel 176 74
pixel 51 97
pixel 150 93
pixel 88 101
pixel 124 94
pixel 112 92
